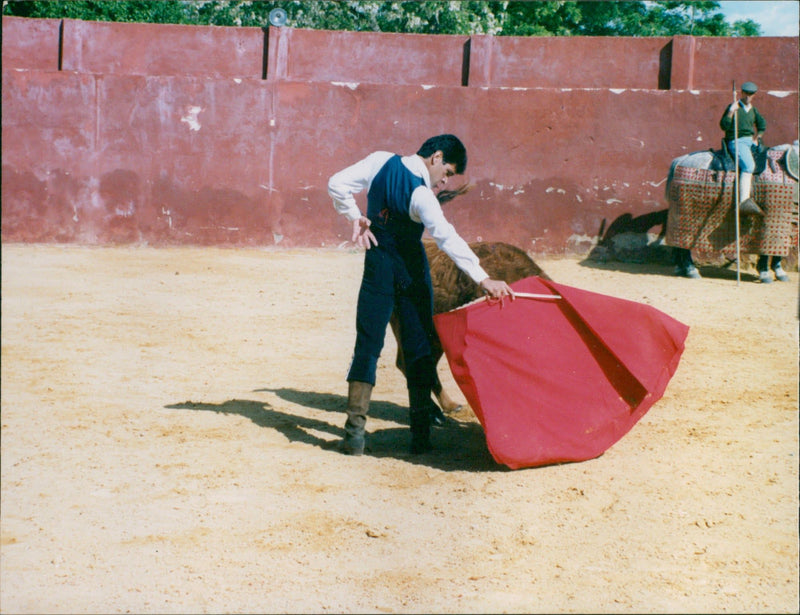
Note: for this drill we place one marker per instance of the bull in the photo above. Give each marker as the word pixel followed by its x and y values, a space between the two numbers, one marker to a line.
pixel 700 191
pixel 453 288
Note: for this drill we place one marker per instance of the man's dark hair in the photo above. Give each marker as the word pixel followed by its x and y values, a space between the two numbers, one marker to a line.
pixel 452 148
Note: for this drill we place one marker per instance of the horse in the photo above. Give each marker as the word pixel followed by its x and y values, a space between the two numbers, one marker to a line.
pixel 700 192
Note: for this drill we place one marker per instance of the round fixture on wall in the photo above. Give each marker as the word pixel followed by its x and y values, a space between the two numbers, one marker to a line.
pixel 277 17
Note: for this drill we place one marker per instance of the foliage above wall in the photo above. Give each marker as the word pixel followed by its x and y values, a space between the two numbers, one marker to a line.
pixel 423 17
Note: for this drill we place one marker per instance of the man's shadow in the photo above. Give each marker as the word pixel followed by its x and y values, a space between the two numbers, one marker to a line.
pixel 458 445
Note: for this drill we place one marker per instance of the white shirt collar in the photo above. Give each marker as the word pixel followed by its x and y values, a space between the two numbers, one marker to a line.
pixel 416 165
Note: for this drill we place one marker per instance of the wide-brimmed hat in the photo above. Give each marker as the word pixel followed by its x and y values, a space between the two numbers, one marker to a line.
pixel 749 87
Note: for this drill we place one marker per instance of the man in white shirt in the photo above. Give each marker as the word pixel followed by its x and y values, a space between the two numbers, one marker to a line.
pixel 401 205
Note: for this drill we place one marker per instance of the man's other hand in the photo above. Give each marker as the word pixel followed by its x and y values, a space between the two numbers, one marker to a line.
pixel 361 233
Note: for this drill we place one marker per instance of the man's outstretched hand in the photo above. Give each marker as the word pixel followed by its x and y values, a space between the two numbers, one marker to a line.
pixel 497 289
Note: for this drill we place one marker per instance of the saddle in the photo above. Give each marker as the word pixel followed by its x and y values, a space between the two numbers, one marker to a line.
pixel 724 158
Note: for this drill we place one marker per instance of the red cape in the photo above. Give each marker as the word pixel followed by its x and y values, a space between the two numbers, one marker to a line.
pixel 556 380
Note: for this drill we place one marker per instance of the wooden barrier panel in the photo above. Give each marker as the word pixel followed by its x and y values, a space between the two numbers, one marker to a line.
pixel 370 57
pixel 31 44
pixel 49 140
pixel 206 161
pixel 569 62
pixel 682 62
pixel 161 49
pixel 771 62
pixel 215 158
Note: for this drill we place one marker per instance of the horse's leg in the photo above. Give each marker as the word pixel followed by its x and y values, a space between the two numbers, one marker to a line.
pixel 764 267
pixel 684 265
pixel 777 269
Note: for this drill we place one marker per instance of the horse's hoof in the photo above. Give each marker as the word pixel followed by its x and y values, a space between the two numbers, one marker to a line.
pixel 688 272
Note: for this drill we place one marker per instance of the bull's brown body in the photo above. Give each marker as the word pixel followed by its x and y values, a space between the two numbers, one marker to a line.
pixel 453 288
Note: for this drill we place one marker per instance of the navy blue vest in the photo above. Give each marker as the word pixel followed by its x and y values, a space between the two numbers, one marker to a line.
pixel 389 200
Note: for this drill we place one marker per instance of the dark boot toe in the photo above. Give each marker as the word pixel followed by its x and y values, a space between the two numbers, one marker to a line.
pixel 438 419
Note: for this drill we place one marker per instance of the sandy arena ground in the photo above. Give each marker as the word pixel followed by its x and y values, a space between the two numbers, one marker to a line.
pixel 169 418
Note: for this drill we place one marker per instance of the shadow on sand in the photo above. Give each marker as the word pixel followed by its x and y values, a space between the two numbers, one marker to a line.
pixel 458 445
pixel 629 245
pixel 720 272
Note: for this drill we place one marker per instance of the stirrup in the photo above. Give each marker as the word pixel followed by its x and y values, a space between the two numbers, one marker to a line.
pixel 749 207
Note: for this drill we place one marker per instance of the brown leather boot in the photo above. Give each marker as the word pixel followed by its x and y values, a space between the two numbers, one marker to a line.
pixel 358 396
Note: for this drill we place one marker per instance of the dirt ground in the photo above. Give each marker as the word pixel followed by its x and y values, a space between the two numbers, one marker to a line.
pixel 169 419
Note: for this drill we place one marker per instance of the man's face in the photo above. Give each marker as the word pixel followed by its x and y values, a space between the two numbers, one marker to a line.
pixel 440 171
pixel 748 97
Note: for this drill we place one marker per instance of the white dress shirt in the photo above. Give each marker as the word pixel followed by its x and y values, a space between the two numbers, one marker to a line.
pixel 425 207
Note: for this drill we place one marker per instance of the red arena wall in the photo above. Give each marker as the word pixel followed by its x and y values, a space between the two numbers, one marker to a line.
pixel 161 134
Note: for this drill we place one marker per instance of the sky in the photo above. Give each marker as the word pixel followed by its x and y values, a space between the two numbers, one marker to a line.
pixel 775 18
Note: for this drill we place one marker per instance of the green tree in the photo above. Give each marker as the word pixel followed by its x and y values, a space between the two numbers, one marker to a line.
pixel 511 18
pixel 139 11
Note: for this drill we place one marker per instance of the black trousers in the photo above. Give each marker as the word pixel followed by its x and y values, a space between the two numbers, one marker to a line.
pixel 394 280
